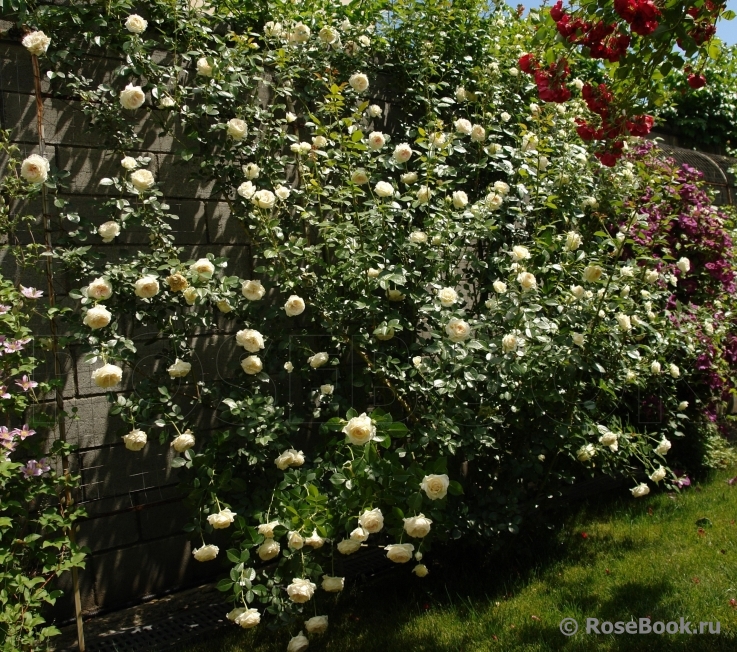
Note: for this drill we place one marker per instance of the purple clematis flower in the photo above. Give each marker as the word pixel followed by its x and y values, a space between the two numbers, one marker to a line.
pixel 25 384
pixel 13 346
pixel 24 432
pixel 31 293
pixel 4 308
pixel 34 468
pixel 4 392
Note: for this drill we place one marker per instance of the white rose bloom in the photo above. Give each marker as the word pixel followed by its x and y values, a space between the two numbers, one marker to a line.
pixel 437 139
pixel 360 430
pixel 609 438
pixel 252 365
pixel 100 289
pixel 319 142
pixel 132 97
pixel 108 231
pixel 251 170
pixel 166 102
pixel 463 126
pixel 709 328
pixel 364 40
pixel 36 43
pixel 589 202
pixel 592 273
pixel 183 442
pixel 375 111
pixel 253 290
pixel 289 458
pixel 179 369
pixel 359 177
pixel 527 281
pixel 447 296
pixel 655 367
pixel 399 553
pixel 402 153
pixel 384 189
pixel 586 452
pixel 663 447
pixel 298 643
pixel 97 317
pixel 625 323
pixel 237 128
pixel 529 143
pixel 514 72
pixel 658 474
pixel 372 272
pixel 478 134
pixel 420 570
pixel 203 267
pixel 251 340
pixel 409 178
pixel 630 376
pixel 224 306
pixel 435 486
pixel 246 190
pixel 376 140
pixel 267 529
pixel 316 625
pixel 417 526
pixel 461 94
pixel 577 291
pixel 460 199
pixel 499 287
pixel 135 440
pixel 142 179
pixel 268 549
pixel 318 360
pixel 147 287
pixel 35 169
pixel 264 199
pixel 328 35
pixel 107 376
pixel 494 201
pixel 458 330
pixel 684 264
pixel 505 117
pixel 520 253
pixel 640 490
pixel 578 339
pixel 417 361
pixel 359 82
pixel 359 534
pixel 295 540
pixel 625 291
pixel 289 367
pixel 327 390
pixel 135 24
pixel 394 295
pixel 272 29
pixel 222 519
pixel 418 237
pixel 348 546
pixel 248 618
pixel 509 343
pixel 674 370
pixel 294 306
pixel 315 541
pixel 424 194
pixel 683 405
pixel 290 117
pixel 372 520
pixel 128 163
pixel 573 241
pixel 203 67
pixel 206 553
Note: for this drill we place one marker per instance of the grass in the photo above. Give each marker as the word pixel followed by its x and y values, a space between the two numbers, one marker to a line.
pixel 613 560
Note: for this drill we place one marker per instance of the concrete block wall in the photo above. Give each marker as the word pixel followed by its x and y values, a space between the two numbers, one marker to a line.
pixel 135 512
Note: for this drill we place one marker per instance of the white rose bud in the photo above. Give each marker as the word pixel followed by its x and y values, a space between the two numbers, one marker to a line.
pixel 147 287
pixel 224 518
pixel 399 553
pixel 358 82
pixel 253 290
pixel 420 570
pixel 237 128
pixel 289 367
pixel 655 367
pixel 640 490
pixel 183 442
pixel 97 317
pixel 315 541
pixel 206 553
pixel 683 405
pixel 142 180
pixel 107 376
pixel 294 306
pixel 252 365
pixel 190 295
pixel 674 370
pixel 461 94
pixel 268 549
pixel 132 97
pixel 128 163
pixel 100 289
pixel 435 486
pixel 684 264
pixel 36 43
pixel 35 169
pixel 204 68
pixel 360 430
pixel 316 625
pixel 417 361
pixel 135 440
pixel 458 330
pixel 295 540
pixel 417 526
pixel 224 306
pixel 290 117
pixel 135 24
pixel 179 369
pixel 318 360
pixel 625 323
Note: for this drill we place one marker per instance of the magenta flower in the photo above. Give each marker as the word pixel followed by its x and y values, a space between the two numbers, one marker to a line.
pixel 34 468
pixel 14 346
pixel 4 392
pixel 31 293
pixel 25 384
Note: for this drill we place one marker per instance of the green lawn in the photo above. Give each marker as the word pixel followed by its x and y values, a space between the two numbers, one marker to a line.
pixel 646 557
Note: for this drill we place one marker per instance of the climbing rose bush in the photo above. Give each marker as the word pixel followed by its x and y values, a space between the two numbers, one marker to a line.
pixel 452 310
